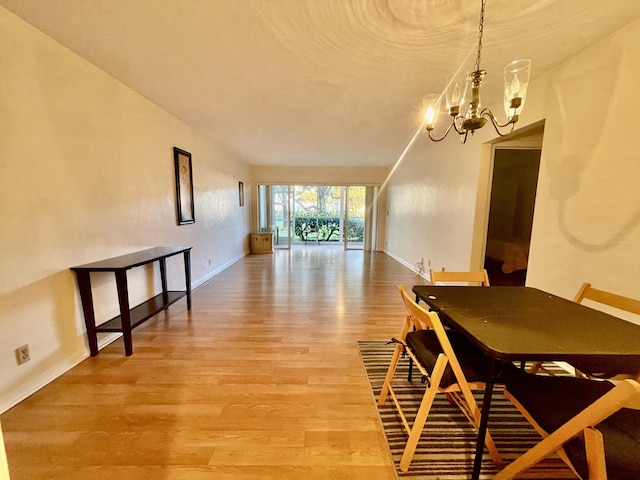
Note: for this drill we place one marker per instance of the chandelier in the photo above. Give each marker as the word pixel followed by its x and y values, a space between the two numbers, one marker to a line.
pixel 466 113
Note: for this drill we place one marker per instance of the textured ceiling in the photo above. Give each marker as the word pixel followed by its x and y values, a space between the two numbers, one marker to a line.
pixel 314 82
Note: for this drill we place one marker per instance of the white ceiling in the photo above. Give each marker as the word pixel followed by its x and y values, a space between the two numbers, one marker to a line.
pixel 314 82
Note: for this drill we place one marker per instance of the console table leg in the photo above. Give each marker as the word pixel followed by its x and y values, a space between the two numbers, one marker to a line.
pixel 187 274
pixel 84 286
pixel 163 280
pixel 125 313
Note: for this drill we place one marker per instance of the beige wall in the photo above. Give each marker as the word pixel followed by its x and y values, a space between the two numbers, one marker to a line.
pixel 587 217
pixel 87 173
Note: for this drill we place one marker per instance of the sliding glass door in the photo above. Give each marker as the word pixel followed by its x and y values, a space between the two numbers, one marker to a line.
pixel 323 216
pixel 354 215
pixel 282 214
pixel 274 213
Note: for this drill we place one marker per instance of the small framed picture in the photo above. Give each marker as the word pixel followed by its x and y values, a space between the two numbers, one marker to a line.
pixel 184 186
pixel 241 193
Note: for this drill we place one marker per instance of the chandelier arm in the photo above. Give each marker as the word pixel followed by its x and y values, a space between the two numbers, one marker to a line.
pixel 489 114
pixel 443 136
pixel 458 129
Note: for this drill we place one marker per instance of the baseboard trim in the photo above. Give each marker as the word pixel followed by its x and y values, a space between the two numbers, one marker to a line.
pixel 204 279
pixel 409 266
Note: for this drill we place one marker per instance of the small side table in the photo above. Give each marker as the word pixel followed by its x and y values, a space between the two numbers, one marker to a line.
pixel 262 243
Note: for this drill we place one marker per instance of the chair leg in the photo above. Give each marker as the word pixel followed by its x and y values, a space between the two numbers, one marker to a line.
pixel 594 444
pixel 394 362
pixel 390 373
pixel 472 412
pixel 560 452
pixel 493 450
pixel 423 412
pixel 410 374
pixel 543 449
pixel 535 367
pixel 539 367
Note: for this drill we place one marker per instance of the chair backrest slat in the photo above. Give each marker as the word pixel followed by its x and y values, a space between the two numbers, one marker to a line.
pixel 607 298
pixel 480 277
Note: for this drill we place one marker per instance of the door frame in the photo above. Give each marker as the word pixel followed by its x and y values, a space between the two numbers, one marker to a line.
pixel 527 138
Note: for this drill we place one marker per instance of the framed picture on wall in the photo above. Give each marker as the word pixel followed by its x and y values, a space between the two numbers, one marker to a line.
pixel 184 186
pixel 241 193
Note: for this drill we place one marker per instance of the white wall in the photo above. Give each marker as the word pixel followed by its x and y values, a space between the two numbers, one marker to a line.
pixel 430 210
pixel 587 217
pixel 587 214
pixel 86 173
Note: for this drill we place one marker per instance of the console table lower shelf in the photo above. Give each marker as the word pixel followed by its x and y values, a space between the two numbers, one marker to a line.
pixel 130 318
pixel 142 312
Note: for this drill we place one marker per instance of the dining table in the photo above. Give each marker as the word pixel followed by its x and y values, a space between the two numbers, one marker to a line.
pixel 519 324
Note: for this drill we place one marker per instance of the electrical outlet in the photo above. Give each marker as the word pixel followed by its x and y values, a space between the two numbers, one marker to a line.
pixel 420 267
pixel 22 354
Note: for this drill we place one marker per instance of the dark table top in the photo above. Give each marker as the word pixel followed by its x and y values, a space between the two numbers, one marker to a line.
pixel 131 260
pixel 523 323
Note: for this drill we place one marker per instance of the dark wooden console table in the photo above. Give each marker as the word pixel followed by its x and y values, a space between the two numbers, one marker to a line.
pixel 130 318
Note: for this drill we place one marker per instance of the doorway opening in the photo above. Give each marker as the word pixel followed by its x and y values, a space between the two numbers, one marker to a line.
pixel 326 216
pixel 512 200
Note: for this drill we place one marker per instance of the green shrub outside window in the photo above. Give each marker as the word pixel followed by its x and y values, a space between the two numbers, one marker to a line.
pixel 327 228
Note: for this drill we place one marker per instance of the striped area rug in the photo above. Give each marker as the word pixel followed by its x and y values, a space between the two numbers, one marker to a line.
pixel 446 448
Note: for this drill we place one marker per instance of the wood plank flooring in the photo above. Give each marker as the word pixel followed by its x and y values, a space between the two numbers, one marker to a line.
pixel 262 379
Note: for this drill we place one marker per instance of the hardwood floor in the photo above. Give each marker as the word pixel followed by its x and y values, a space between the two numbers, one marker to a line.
pixel 261 380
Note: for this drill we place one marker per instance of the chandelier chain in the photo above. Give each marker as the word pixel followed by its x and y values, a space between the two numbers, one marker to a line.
pixel 480 29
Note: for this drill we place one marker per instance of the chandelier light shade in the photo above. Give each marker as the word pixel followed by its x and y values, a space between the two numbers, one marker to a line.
pixel 464 107
pixel 431 110
pixel 516 81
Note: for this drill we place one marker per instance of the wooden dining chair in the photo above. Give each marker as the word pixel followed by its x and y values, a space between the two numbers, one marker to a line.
pixel 586 291
pixel 450 364
pixel 480 278
pixel 596 424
